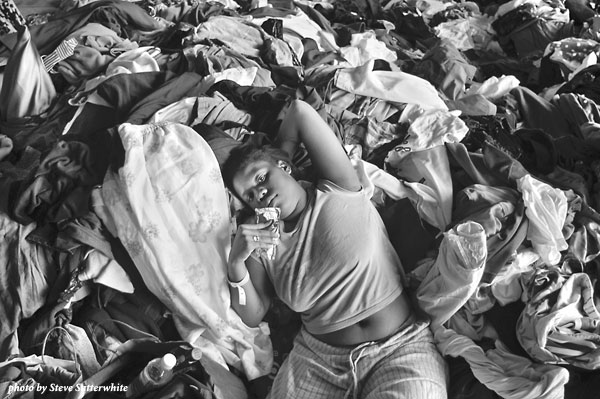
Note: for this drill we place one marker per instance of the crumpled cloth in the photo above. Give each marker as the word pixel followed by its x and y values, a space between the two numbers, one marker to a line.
pixel 546 207
pixel 422 197
pixel 461 258
pixel 571 51
pixel 428 129
pixel 396 86
pixel 509 375
pixel 560 323
pixel 450 281
pixel 27 89
pixel 171 211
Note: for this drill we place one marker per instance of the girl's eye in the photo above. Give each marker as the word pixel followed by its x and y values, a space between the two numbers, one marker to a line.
pixel 261 178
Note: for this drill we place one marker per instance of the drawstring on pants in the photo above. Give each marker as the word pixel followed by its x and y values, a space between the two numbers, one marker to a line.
pixel 353 390
pixel 353 364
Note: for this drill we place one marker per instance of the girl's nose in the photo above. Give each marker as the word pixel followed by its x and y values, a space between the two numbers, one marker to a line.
pixel 262 193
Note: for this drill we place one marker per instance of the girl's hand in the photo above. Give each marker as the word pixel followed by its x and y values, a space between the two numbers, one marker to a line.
pixel 249 237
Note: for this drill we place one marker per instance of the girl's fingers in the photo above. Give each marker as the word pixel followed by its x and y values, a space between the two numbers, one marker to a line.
pixel 261 233
pixel 265 244
pixel 257 226
pixel 268 238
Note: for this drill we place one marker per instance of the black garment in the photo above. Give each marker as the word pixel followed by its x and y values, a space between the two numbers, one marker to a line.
pixel 539 154
pixel 10 17
pixel 549 73
pixel 347 12
pixel 463 384
pixel 273 27
pixel 582 385
pixel 444 66
pixel 494 130
pixel 312 56
pixel 537 113
pixel 514 19
pixel 409 23
pixel 504 320
pixel 39 132
pixel 449 14
pixel 531 39
pixel 579 10
pixel 122 16
pixel 124 91
pixel 586 82
pixel 188 84
pixel 263 103
pixel 411 237
pixel 58 189
pixel 202 11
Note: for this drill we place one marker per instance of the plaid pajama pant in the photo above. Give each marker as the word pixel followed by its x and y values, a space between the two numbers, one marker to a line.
pixel 406 365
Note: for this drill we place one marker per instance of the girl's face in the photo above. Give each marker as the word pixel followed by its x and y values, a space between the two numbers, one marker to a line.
pixel 263 184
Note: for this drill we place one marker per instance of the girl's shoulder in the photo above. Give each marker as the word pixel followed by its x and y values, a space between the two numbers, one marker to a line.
pixel 327 186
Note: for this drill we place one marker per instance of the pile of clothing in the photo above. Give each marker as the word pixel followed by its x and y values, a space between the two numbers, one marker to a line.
pixel 474 125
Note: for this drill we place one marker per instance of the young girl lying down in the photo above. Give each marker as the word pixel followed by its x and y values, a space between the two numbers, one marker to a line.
pixel 335 265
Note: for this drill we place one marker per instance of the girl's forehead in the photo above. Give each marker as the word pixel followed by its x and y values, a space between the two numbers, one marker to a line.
pixel 250 169
pixel 255 165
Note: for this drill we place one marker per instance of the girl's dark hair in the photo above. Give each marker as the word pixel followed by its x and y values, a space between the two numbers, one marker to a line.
pixel 247 153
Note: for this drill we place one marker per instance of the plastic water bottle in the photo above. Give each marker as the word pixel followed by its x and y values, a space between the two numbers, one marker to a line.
pixel 186 355
pixel 156 374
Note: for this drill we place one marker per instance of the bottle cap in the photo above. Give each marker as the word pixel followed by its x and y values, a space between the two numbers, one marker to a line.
pixel 196 353
pixel 169 361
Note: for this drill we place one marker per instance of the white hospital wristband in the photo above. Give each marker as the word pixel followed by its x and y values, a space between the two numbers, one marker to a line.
pixel 239 285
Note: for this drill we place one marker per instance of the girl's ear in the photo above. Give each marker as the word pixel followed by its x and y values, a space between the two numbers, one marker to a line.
pixel 285 166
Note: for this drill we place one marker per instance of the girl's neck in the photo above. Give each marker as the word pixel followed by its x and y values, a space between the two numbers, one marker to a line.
pixel 289 224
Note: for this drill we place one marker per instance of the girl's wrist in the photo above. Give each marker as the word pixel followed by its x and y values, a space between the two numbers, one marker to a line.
pixel 239 286
pixel 241 281
pixel 236 271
